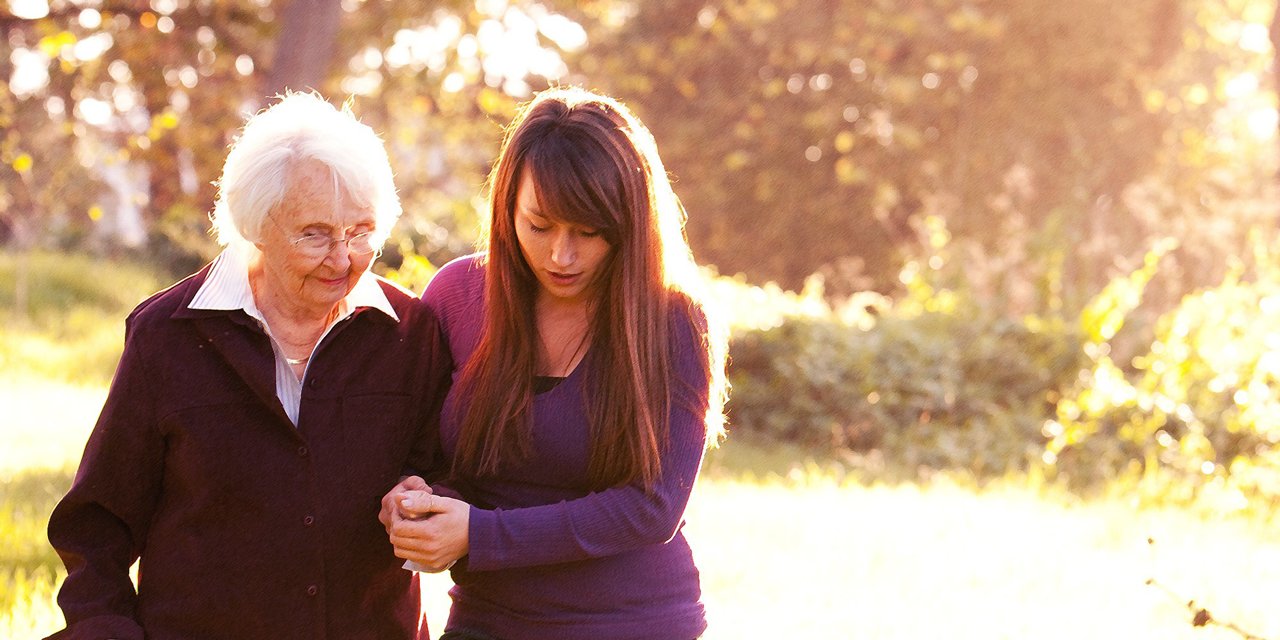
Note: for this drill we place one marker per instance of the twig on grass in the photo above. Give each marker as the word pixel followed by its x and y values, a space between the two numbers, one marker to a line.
pixel 1200 616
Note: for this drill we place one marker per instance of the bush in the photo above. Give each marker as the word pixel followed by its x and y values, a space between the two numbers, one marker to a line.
pixel 937 386
pixel 1200 409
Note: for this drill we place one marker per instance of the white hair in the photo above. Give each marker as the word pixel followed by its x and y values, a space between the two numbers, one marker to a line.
pixel 297 128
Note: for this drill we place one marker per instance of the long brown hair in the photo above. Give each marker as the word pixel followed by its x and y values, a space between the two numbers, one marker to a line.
pixel 593 164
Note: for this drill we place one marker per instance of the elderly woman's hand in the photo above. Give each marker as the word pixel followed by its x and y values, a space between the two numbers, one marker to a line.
pixel 432 530
pixel 391 502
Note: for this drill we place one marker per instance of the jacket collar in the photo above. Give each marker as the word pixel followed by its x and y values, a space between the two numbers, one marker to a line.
pixel 223 286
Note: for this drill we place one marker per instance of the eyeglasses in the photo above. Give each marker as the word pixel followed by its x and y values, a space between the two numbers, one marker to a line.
pixel 319 244
pixel 315 244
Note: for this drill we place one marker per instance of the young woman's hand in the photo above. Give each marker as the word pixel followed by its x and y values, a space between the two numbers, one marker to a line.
pixel 430 530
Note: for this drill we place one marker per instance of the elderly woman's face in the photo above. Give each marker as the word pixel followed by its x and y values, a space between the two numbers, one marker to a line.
pixel 312 278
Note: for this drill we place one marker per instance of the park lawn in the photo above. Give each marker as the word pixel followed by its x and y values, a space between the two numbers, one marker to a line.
pixel 789 550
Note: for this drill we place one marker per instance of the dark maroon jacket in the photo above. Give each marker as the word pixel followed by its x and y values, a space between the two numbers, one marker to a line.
pixel 246 526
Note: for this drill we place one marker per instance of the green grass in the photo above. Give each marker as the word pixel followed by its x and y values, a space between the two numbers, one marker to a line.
pixel 791 543
pixel 46 424
pixel 65 314
pixel 789 548
pixel 29 569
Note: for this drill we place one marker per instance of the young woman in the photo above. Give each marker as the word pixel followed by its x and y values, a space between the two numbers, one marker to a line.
pixel 588 380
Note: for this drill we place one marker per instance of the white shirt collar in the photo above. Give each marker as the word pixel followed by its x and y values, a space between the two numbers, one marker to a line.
pixel 227 287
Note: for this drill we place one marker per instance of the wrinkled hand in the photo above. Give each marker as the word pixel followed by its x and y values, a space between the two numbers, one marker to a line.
pixel 391 512
pixel 430 530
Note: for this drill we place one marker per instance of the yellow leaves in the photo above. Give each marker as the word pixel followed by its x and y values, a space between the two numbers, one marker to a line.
pixel 646 53
pixel 495 102
pixel 167 119
pixel 415 270
pixel 1106 313
pixel 22 164
pixel 52 45
pixel 849 172
pixel 939 235
pixel 162 122
pixel 766 12
pixel 844 141
pixel 1154 100
pixel 1208 382
pixel 736 160
pixel 686 88
pixel 1196 95
pixel 1257 12
pixel 773 88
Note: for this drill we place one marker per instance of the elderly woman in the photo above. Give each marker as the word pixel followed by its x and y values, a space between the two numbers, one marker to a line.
pixel 260 410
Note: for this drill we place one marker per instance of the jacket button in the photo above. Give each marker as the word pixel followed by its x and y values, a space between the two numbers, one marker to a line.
pixel 302 452
pixel 313 383
pixel 308 521
pixel 312 590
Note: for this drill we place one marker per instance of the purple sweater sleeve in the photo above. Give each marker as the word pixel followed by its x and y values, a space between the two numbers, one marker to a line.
pixel 615 520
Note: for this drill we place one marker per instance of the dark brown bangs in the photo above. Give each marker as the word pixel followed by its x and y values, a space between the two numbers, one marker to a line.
pixel 577 181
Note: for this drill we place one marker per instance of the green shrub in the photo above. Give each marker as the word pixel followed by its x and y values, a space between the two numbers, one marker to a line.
pixel 951 388
pixel 1200 409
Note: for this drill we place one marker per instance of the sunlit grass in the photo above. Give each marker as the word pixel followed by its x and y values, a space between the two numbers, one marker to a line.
pixel 29 569
pixel 789 548
pixel 64 314
pixel 845 556
pixel 791 543
pixel 905 562
pixel 46 424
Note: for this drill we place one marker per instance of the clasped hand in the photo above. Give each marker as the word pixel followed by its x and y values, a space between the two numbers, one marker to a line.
pixel 428 529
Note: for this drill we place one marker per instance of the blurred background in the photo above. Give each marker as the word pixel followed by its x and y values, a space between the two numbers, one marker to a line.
pixel 1004 275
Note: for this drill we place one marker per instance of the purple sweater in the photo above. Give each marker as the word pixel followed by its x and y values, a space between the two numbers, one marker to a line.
pixel 549 558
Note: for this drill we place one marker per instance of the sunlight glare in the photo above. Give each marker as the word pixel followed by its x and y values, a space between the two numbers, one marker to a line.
pixel 30 71
pixel 93 47
pixel 29 9
pixel 1241 86
pixel 567 34
pixel 510 51
pixel 454 82
pixel 1262 123
pixel 1255 38
pixel 55 106
pixel 94 111
pixel 90 18
pixel 491 7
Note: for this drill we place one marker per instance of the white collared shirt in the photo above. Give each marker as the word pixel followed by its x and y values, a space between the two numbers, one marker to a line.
pixel 227 289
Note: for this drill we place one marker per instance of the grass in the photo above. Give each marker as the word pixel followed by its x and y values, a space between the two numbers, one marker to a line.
pixel 790 549
pixel 65 314
pixel 789 544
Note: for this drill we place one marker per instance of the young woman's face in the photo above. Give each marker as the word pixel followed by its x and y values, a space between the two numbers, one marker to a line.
pixel 566 258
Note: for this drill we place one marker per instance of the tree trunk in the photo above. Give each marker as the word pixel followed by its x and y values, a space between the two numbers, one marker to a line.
pixel 1275 51
pixel 304 45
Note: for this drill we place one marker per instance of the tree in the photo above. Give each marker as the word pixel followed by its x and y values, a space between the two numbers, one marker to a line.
pixel 161 89
pixel 804 134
